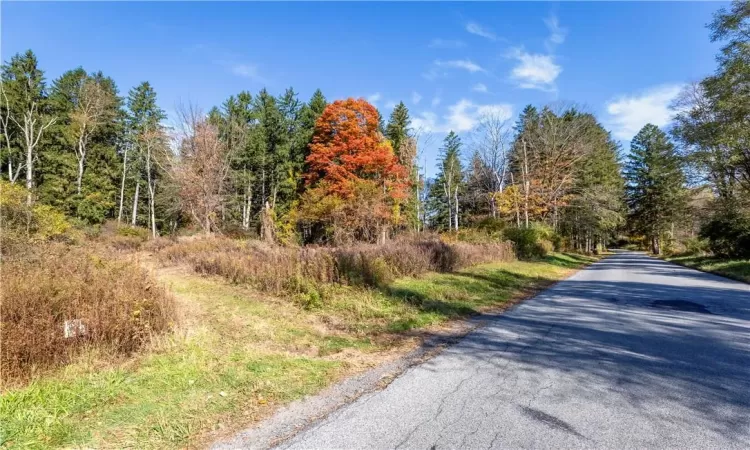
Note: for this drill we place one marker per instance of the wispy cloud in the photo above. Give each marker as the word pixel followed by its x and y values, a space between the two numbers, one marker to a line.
pixel 464 64
pixel 436 101
pixel 446 43
pixel 374 98
pixel 479 30
pixel 480 87
pixel 627 114
pixel 391 104
pixel 246 70
pixel 557 33
pixel 534 71
pixel 416 98
pixel 461 117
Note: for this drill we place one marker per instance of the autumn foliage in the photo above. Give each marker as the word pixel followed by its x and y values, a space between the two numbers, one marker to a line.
pixel 355 181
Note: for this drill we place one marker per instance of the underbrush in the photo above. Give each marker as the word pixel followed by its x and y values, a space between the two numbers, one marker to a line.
pixel 293 269
pixel 53 290
pixel 239 354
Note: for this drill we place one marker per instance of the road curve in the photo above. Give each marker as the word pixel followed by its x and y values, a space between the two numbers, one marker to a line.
pixel 632 352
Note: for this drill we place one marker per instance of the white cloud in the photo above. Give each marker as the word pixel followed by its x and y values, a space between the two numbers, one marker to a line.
pixel 535 71
pixel 557 33
pixel 446 43
pixel 374 98
pixel 627 114
pixel 480 87
pixel 390 104
pixel 416 98
pixel 464 64
pixel 461 117
pixel 475 28
pixel 246 70
pixel 436 101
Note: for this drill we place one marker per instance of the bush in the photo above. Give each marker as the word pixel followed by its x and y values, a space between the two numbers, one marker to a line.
pixel 93 208
pixel 533 242
pixel 136 232
pixel 291 269
pixel 728 235
pixel 109 304
pixel 696 246
pixel 23 225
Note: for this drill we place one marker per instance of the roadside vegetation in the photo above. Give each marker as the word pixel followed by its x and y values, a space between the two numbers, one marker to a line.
pixel 688 194
pixel 238 350
pixel 736 269
pixel 164 286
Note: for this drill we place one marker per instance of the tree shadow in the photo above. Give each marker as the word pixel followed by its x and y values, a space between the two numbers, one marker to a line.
pixel 618 342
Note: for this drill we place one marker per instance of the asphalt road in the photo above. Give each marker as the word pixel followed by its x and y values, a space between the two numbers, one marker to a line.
pixel 632 352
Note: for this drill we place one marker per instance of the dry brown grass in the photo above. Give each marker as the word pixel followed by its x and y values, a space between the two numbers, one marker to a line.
pixel 117 302
pixel 290 269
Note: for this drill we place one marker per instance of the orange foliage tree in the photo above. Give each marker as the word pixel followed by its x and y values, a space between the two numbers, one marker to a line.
pixel 355 183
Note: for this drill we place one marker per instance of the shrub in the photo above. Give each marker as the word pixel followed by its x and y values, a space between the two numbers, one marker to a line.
pixel 136 232
pixel 292 269
pixel 94 207
pixel 532 242
pixel 696 246
pixel 115 305
pixel 23 225
pixel 728 235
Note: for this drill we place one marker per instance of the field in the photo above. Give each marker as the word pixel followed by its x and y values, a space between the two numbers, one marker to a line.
pixel 238 352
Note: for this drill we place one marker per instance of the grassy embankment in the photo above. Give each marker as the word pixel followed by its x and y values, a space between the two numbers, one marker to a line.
pixel 735 269
pixel 237 353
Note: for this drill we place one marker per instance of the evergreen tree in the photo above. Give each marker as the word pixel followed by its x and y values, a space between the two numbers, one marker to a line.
pixel 397 130
pixel 26 115
pixel 146 139
pixel 655 185
pixel 83 147
pixel 595 209
pixel 446 191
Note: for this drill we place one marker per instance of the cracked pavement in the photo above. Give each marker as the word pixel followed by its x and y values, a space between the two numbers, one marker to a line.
pixel 632 352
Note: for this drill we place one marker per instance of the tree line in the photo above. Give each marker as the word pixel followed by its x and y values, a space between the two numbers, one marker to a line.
pixel 291 171
pixel 693 188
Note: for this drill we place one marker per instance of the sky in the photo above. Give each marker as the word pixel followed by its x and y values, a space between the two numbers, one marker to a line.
pixel 450 63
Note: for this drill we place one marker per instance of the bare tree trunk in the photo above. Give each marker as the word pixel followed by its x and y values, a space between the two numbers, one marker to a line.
pixel 81 156
pixel 655 247
pixel 135 202
pixel 525 185
pixel 80 176
pixel 151 188
pixel 417 204
pixel 29 171
pixel 515 203
pixel 456 202
pixel 152 210
pixel 122 184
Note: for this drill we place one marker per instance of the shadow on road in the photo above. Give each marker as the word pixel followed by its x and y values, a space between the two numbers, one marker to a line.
pixel 665 341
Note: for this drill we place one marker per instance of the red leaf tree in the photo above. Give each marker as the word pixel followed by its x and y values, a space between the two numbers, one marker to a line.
pixel 355 181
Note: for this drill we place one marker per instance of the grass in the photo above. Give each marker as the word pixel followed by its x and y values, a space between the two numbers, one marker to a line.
pixel 735 269
pixel 238 354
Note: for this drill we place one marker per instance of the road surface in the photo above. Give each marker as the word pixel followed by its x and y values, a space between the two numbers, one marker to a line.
pixel 632 352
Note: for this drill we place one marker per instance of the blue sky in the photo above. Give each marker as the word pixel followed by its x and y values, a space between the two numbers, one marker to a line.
pixel 449 62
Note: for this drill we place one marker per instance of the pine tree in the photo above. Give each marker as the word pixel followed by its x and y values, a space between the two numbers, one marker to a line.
pixel 595 208
pixel 447 188
pixel 86 134
pixel 24 99
pixel 146 138
pixel 655 185
pixel 397 130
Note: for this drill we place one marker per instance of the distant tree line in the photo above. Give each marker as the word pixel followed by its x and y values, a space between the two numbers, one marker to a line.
pixel 285 170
